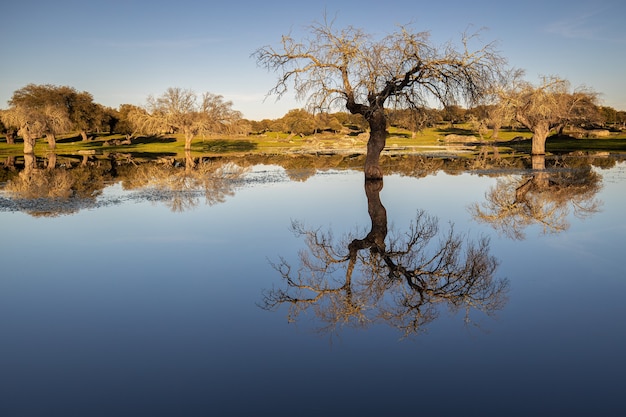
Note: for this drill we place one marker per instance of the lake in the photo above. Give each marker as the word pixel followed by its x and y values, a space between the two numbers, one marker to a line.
pixel 263 288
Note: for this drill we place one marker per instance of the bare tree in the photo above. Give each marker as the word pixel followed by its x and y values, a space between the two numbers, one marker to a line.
pixel 180 110
pixel 348 67
pixel 495 109
pixel 549 106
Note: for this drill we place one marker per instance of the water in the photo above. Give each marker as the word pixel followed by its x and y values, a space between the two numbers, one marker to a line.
pixel 149 302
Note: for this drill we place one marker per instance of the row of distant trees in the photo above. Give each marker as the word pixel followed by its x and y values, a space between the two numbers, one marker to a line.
pixel 38 111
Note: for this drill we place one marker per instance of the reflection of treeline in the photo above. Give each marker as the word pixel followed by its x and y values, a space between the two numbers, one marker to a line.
pixel 417 165
pixel 79 180
pixel 43 188
pixel 302 166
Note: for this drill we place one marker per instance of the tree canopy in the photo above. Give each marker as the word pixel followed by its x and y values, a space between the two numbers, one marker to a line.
pixel 180 110
pixel 548 106
pixel 38 110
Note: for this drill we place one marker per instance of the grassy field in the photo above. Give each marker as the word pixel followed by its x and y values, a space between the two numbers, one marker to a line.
pixel 431 140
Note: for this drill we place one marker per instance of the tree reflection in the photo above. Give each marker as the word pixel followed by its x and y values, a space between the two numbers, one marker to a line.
pixel 180 187
pixel 403 280
pixel 543 198
pixel 46 189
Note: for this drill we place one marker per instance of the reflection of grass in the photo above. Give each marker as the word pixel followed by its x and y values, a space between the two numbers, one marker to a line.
pixel 151 155
pixel 224 146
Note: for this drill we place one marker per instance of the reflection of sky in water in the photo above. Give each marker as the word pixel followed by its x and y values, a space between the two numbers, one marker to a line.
pixel 135 310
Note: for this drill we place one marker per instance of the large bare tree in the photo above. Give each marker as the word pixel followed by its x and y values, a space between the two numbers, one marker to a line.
pixel 180 110
pixel 348 67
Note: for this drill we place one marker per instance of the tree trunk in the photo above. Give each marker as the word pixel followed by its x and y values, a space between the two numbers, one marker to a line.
pixel 522 190
pixel 190 164
pixel 83 134
pixel 375 145
pixel 52 160
pixel 540 134
pixel 29 143
pixel 29 163
pixel 538 162
pixel 52 140
pixel 188 139
pixel 10 136
pixel 495 131
pixel 10 162
pixel 375 239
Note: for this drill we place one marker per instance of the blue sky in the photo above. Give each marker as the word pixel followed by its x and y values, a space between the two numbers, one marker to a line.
pixel 124 51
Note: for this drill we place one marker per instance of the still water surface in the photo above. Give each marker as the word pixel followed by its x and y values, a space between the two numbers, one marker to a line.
pixel 129 307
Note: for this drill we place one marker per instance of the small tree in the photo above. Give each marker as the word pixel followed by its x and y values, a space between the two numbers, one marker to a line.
pixel 609 115
pixel 179 110
pixel 299 122
pixel 7 129
pixel 495 107
pixel 403 69
pixel 84 113
pixel 129 120
pixel 327 122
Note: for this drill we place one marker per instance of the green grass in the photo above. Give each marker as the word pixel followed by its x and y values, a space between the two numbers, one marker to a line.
pixel 568 144
pixel 274 143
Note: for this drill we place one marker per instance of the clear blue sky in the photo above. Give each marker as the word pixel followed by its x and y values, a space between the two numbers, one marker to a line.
pixel 123 51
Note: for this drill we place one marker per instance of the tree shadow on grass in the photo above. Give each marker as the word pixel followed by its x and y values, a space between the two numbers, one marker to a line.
pixel 454 131
pixel 565 144
pixel 152 139
pixel 402 135
pixel 71 139
pixel 225 145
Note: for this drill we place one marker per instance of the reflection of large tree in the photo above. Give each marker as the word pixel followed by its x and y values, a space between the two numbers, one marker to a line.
pixel 543 198
pixel 403 279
